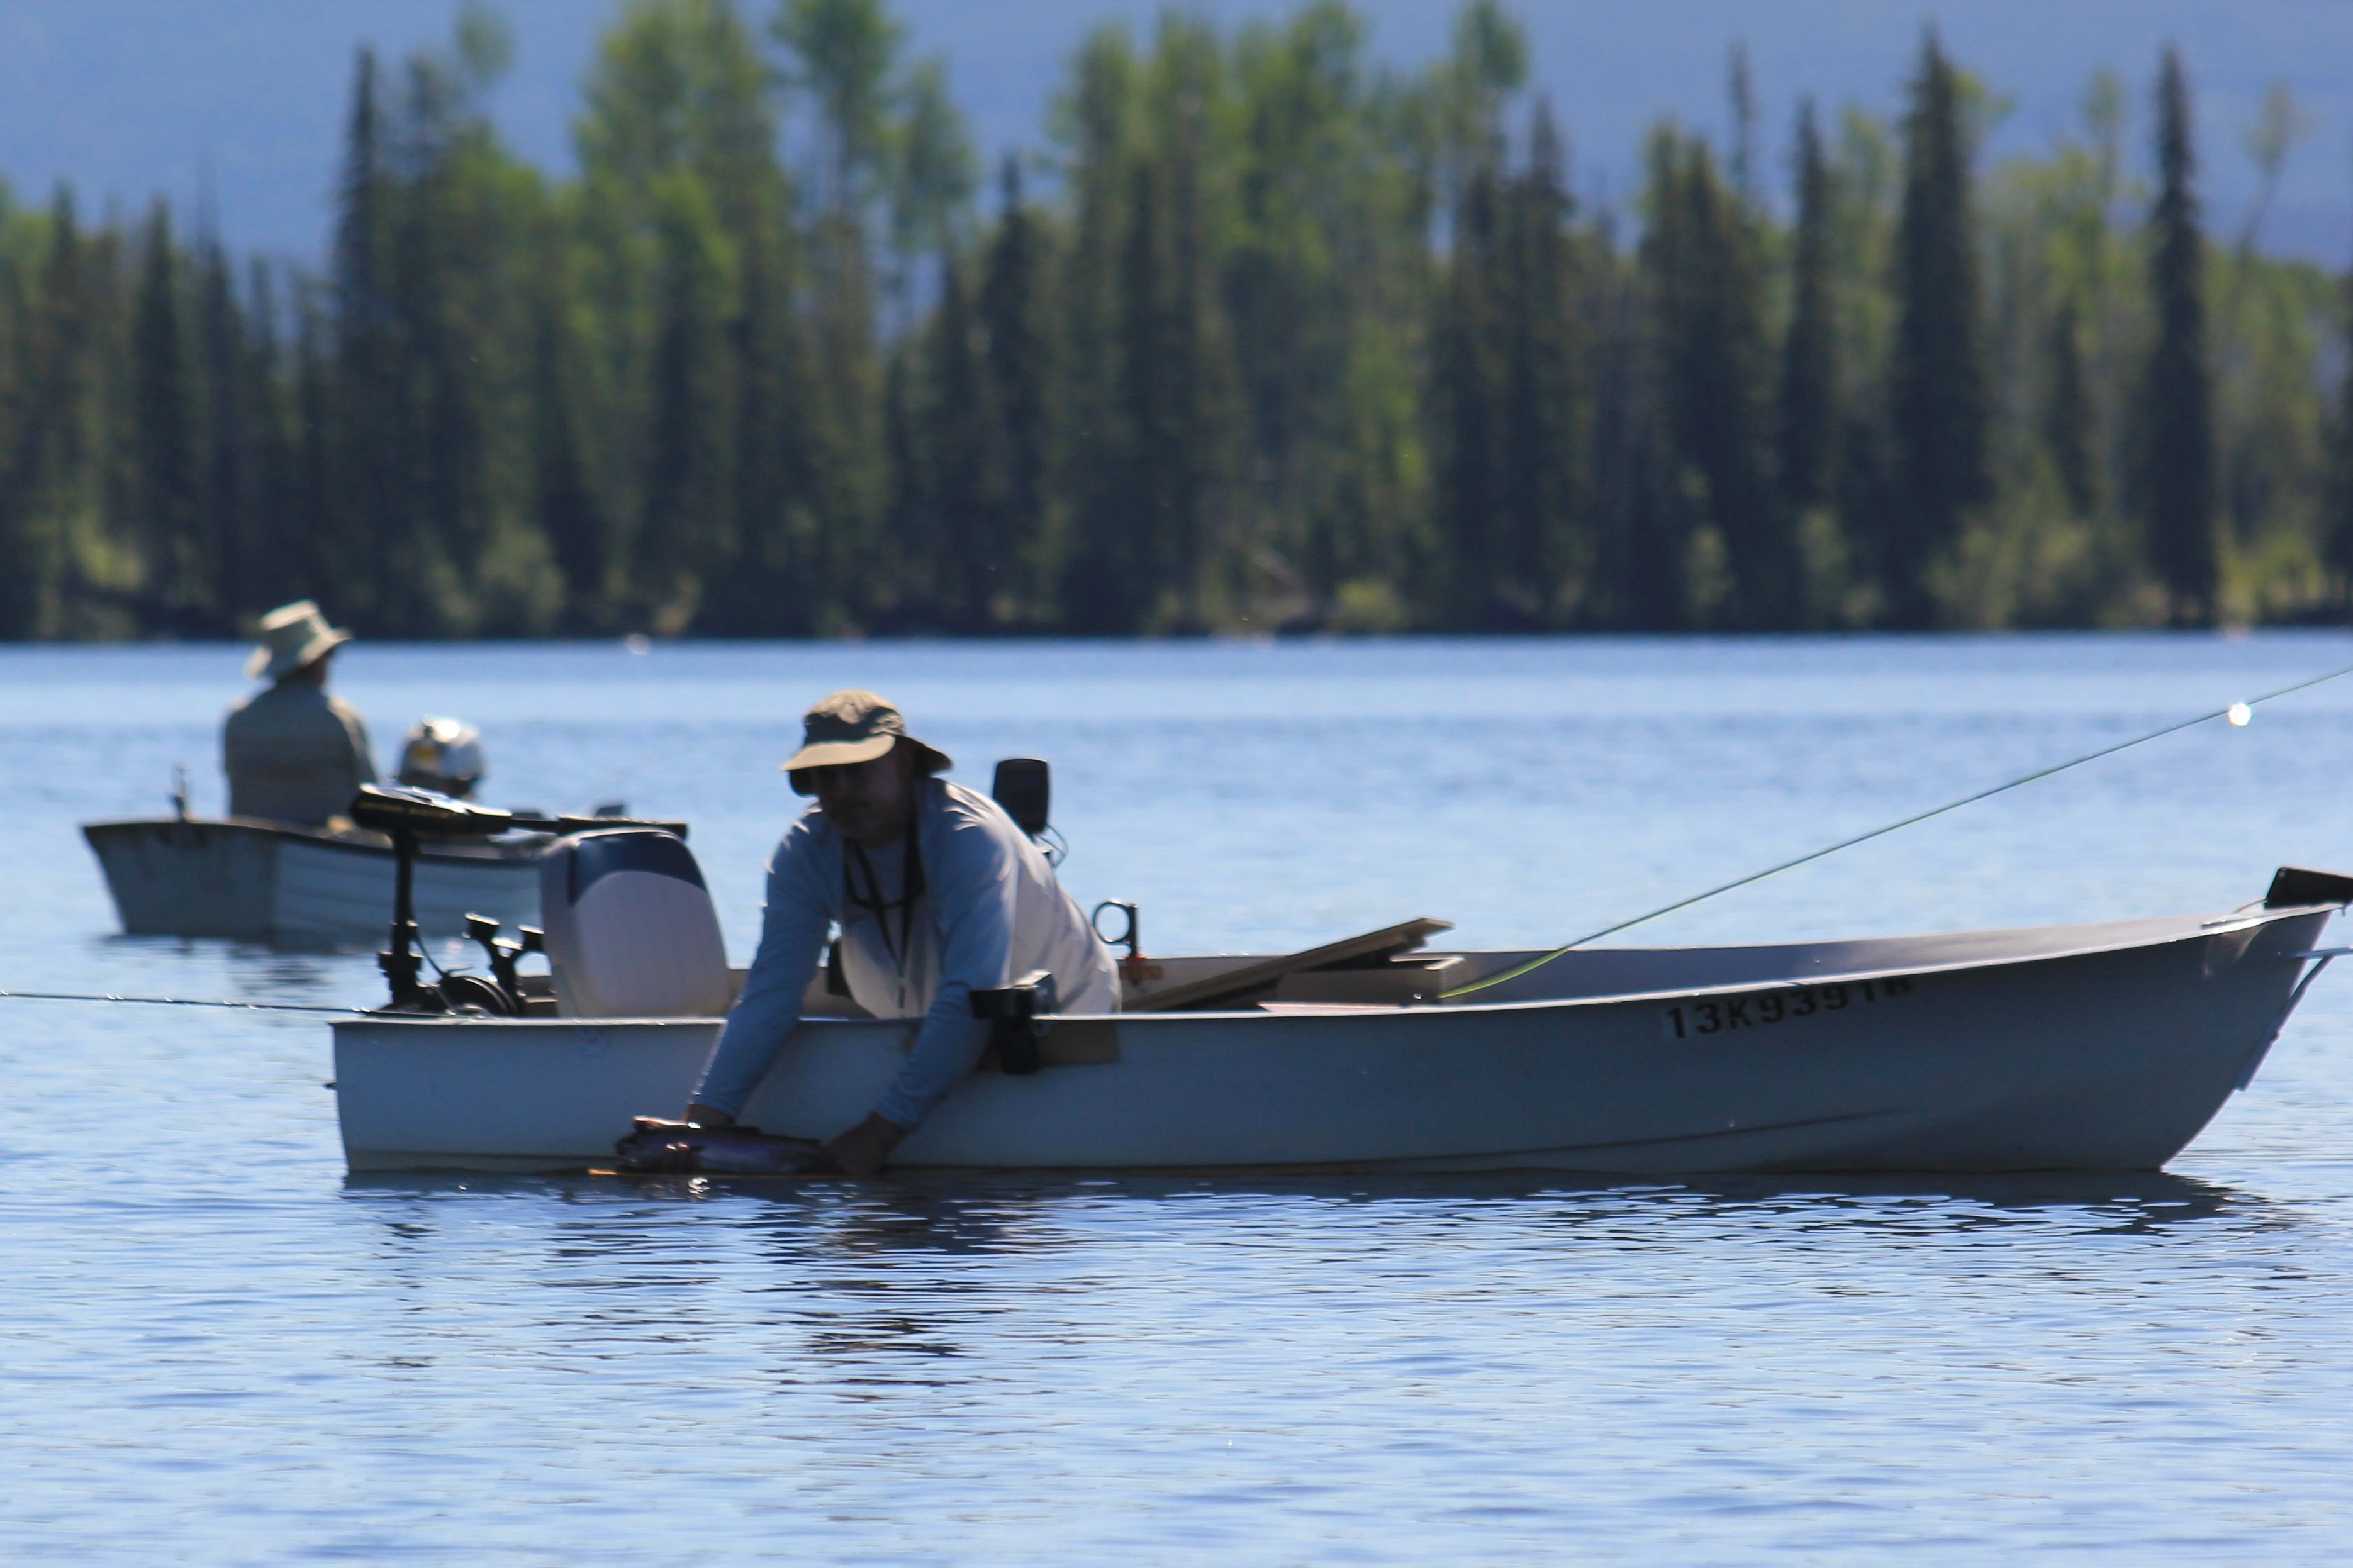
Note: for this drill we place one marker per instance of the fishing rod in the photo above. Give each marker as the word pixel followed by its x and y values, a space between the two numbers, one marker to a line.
pixel 176 1002
pixel 2238 713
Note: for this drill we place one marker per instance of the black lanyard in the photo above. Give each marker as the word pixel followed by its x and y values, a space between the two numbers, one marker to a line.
pixel 911 889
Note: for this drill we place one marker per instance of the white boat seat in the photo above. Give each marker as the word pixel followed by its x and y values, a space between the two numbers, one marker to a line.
pixel 630 929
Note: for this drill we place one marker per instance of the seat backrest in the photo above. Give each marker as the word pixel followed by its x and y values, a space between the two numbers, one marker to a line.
pixel 630 929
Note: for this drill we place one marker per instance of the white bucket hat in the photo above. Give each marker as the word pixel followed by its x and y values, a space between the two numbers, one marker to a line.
pixel 292 636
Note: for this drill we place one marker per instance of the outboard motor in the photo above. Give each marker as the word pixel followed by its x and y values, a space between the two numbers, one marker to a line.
pixel 630 929
pixel 1024 786
pixel 444 755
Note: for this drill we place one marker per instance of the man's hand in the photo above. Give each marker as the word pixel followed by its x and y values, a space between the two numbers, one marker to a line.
pixel 860 1152
pixel 704 1115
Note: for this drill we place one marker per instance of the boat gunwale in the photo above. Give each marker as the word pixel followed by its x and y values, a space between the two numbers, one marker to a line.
pixel 524 849
pixel 2236 921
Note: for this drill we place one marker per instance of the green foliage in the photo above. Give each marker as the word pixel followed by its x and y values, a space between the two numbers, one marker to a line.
pixel 1937 381
pixel 2178 421
pixel 1294 342
pixel 1808 393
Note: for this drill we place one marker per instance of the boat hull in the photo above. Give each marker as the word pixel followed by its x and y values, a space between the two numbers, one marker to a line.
pixel 257 881
pixel 2080 1049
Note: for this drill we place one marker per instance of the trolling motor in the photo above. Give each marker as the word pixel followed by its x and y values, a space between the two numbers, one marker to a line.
pixel 405 813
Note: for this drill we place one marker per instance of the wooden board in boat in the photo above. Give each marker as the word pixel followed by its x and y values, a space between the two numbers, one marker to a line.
pixel 1259 975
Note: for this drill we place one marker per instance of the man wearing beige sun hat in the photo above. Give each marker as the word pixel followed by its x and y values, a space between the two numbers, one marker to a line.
pixel 294 754
pixel 938 894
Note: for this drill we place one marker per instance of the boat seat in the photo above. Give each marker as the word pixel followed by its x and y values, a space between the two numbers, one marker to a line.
pixel 630 929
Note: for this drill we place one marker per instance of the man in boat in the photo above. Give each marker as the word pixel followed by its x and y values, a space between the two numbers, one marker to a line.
pixel 937 893
pixel 294 754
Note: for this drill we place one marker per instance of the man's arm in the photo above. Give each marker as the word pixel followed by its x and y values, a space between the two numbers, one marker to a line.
pixel 972 891
pixel 792 930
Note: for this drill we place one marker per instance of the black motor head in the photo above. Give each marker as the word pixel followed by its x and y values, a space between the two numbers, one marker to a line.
pixel 404 808
pixel 1024 787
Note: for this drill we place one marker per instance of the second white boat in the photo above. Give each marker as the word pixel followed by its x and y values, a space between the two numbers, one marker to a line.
pixel 299 887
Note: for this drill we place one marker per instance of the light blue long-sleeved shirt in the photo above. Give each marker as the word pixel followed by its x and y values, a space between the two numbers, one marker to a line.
pixel 990 908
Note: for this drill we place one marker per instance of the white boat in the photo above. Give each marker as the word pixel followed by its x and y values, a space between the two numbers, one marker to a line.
pixel 266 881
pixel 2101 1047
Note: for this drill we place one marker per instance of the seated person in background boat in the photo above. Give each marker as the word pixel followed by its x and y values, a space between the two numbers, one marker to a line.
pixel 938 894
pixel 294 754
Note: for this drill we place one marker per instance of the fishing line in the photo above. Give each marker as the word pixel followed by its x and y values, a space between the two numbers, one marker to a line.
pixel 2237 713
pixel 176 1002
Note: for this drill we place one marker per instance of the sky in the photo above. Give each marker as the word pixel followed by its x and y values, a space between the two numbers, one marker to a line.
pixel 245 99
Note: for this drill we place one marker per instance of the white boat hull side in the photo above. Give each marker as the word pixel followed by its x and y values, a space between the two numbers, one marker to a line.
pixel 435 1094
pixel 256 881
pixel 2111 1059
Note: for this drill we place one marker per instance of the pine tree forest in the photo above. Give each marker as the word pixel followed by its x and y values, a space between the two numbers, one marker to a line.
pixel 1257 337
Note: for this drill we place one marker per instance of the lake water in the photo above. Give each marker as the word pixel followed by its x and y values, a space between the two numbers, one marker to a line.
pixel 214 1348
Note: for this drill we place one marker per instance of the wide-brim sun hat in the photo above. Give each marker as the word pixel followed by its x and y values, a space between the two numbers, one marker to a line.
pixel 292 636
pixel 854 727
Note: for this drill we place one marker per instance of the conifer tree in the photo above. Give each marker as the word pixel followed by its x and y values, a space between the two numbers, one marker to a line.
pixel 360 533
pixel 1473 391
pixel 223 460
pixel 1711 324
pixel 684 538
pixel 1610 308
pixel 1292 336
pixel 1808 412
pixel 970 558
pixel 1542 456
pixel 2336 536
pixel 167 508
pixel 272 443
pixel 1126 559
pixel 1740 89
pixel 1937 400
pixel 908 599
pixel 1093 582
pixel 49 473
pixel 1145 549
pixel 930 176
pixel 311 545
pixel 844 56
pixel 447 323
pixel 1192 422
pixel 2067 415
pixel 1307 305
pixel 769 591
pixel 2178 482
pixel 1653 528
pixel 564 500
pixel 1020 387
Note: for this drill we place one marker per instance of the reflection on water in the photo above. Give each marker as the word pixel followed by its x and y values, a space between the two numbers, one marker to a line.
pixel 220 1348
pixel 930 1213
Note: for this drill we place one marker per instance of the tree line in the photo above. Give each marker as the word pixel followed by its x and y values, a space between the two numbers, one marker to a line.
pixel 1260 337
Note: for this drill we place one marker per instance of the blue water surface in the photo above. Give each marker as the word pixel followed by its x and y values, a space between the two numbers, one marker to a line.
pixel 214 1347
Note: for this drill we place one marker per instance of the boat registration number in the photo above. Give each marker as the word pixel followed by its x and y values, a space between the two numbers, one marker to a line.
pixel 1721 1014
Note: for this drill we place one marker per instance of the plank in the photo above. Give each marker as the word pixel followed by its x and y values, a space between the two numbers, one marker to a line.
pixel 1400 938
